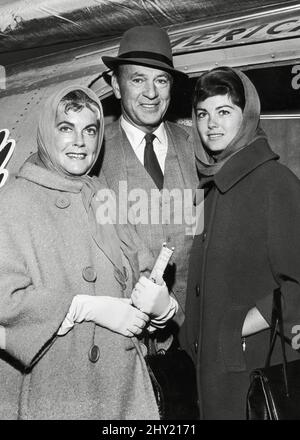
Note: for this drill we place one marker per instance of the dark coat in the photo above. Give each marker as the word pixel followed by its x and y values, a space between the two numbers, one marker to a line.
pixel 250 245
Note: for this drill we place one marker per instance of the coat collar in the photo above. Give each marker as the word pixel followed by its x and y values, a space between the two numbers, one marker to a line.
pixel 242 163
pixel 48 179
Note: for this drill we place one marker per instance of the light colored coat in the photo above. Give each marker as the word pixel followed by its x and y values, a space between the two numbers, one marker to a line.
pixel 46 246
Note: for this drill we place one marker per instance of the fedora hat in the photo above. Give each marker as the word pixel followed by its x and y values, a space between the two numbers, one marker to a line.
pixel 146 46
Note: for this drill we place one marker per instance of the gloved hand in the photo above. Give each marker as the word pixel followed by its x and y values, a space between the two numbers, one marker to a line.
pixel 116 314
pixel 150 298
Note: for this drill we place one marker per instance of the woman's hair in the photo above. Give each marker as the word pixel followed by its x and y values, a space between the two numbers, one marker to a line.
pixel 220 81
pixel 77 100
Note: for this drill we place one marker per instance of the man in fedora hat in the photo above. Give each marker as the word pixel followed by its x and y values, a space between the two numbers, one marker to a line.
pixel 147 152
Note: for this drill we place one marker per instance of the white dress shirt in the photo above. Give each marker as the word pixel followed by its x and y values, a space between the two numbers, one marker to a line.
pixel 136 139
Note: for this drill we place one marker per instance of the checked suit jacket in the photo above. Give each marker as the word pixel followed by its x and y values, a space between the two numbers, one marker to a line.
pixel 155 227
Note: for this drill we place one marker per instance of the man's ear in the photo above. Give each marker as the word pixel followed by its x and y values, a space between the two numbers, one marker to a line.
pixel 115 86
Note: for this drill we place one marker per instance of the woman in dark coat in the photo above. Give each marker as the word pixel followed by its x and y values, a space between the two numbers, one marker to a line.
pixel 249 246
pixel 68 326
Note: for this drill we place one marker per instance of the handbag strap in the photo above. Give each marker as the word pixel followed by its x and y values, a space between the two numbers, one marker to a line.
pixel 277 326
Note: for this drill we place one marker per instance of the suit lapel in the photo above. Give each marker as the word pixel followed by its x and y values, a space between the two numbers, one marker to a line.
pixel 114 157
pixel 185 153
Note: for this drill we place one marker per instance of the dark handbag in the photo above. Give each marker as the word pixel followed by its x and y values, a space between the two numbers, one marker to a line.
pixel 172 372
pixel 173 378
pixel 274 392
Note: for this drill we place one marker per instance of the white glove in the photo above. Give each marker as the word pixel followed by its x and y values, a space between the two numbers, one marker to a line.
pixel 116 314
pixel 151 298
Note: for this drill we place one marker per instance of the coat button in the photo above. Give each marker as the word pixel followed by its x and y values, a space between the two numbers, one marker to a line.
pixel 62 202
pixel 197 290
pixel 196 346
pixel 89 274
pixel 94 353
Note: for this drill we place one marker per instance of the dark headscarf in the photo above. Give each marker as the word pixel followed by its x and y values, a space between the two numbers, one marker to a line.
pixel 248 132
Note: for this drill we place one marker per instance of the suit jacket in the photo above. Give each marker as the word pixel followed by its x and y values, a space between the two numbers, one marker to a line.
pixel 120 164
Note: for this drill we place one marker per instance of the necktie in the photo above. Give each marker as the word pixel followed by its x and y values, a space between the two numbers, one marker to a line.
pixel 151 163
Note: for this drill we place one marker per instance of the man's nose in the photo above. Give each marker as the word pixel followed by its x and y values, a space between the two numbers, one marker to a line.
pixel 150 90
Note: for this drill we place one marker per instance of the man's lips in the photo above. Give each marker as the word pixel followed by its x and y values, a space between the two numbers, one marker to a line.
pixel 149 106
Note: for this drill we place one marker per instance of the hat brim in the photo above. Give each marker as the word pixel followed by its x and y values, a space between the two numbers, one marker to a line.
pixel 113 62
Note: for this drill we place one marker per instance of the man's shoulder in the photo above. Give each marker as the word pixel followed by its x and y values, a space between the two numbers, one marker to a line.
pixel 112 130
pixel 179 129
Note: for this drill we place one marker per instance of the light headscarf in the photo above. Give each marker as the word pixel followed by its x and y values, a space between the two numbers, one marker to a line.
pixel 249 131
pixel 104 235
pixel 45 138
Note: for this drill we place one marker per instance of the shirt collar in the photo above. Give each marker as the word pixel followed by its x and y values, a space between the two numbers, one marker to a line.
pixel 136 136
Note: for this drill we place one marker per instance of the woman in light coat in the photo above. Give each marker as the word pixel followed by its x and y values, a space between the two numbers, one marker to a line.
pixel 68 326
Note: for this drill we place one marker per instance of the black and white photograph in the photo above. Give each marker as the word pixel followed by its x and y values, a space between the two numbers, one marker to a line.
pixel 149 214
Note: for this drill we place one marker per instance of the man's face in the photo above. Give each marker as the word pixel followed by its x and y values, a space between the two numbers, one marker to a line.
pixel 144 93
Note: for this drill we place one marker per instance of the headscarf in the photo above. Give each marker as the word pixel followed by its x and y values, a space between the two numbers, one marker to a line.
pixel 104 235
pixel 45 138
pixel 249 131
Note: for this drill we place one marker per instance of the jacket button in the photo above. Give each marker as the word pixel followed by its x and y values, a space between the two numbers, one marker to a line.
pixel 196 346
pixel 94 353
pixel 204 236
pixel 89 274
pixel 197 290
pixel 62 202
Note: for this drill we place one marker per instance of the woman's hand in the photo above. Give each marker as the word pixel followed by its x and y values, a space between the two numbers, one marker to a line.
pixel 116 314
pixel 150 298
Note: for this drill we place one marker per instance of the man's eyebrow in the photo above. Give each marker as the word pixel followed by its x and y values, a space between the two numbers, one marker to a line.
pixel 164 74
pixel 138 74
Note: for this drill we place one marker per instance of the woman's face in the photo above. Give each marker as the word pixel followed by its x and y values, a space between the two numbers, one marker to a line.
pixel 218 121
pixel 76 139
